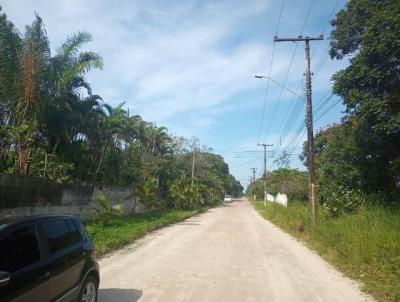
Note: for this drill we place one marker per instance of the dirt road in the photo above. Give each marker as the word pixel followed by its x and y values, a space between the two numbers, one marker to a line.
pixel 229 253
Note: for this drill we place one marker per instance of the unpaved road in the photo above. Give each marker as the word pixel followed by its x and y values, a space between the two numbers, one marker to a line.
pixel 229 253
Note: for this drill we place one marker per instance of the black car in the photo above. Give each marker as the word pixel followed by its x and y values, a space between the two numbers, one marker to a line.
pixel 47 258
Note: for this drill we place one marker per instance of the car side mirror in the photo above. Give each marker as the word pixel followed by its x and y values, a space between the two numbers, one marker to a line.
pixel 4 278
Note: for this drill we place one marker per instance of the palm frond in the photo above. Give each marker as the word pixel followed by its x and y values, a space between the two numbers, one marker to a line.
pixel 70 47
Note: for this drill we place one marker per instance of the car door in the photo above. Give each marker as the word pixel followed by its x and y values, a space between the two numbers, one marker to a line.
pixel 66 257
pixel 22 257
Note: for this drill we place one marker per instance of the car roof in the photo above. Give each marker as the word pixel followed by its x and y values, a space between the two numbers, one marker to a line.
pixel 14 219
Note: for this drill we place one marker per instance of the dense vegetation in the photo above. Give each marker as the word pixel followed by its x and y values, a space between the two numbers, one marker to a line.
pixel 53 126
pixel 361 155
pixel 364 245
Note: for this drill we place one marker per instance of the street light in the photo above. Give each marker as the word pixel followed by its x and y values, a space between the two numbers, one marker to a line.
pixel 279 84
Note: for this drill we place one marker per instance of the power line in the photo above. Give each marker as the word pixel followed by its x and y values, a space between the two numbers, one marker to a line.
pixel 290 118
pixel 325 26
pixel 269 73
pixel 289 68
pixel 301 129
pixel 316 119
pixel 318 115
pixel 322 103
pixel 242 164
pixel 326 111
pixel 316 70
pixel 283 86
pixel 306 19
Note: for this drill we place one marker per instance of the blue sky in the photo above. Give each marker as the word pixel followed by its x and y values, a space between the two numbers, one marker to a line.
pixel 190 66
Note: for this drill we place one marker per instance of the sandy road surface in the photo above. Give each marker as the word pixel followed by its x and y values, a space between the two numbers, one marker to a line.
pixel 229 253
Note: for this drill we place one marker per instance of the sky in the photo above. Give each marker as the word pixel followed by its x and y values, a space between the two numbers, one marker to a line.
pixel 190 65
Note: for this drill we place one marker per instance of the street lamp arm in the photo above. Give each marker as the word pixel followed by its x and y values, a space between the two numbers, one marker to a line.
pixel 279 84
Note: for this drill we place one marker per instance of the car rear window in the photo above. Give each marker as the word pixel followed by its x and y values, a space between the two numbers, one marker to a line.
pixel 60 234
pixel 19 249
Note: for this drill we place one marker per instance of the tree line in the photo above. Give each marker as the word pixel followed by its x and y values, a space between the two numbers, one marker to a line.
pixel 292 182
pixel 53 126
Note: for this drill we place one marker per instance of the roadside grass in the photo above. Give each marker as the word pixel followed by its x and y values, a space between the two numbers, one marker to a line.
pixel 123 230
pixel 365 245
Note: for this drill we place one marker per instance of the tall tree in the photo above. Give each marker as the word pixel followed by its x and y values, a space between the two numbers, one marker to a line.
pixel 369 32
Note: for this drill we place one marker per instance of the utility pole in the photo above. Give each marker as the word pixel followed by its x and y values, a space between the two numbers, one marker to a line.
pixel 254 182
pixel 195 144
pixel 193 159
pixel 265 171
pixel 309 115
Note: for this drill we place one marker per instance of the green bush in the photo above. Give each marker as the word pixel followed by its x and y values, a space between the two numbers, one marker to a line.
pixel 188 196
pixel 105 211
pixel 340 200
pixel 147 194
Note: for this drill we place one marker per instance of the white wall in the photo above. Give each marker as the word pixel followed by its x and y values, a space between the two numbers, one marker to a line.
pixel 280 198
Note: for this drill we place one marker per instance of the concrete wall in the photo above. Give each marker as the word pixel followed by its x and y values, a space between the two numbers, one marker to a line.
pixel 120 195
pixel 280 198
pixel 27 196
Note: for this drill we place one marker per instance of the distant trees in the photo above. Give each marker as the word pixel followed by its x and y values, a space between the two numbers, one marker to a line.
pixel 292 182
pixel 53 126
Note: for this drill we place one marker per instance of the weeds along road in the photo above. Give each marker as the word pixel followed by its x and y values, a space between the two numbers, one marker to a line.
pixel 229 253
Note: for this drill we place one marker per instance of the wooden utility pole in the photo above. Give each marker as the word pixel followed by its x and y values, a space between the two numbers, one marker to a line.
pixel 309 115
pixel 265 171
pixel 193 159
pixel 254 182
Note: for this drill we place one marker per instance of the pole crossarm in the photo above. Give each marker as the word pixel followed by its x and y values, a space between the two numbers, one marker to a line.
pixel 298 39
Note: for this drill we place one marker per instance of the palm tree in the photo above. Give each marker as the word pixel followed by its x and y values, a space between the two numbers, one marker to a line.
pixel 66 108
pixel 10 44
pixel 39 94
pixel 34 58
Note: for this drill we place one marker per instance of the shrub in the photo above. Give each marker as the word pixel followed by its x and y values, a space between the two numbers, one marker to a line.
pixel 148 193
pixel 105 211
pixel 339 200
pixel 186 196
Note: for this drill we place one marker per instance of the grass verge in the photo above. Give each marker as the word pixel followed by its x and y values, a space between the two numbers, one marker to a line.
pixel 365 245
pixel 123 230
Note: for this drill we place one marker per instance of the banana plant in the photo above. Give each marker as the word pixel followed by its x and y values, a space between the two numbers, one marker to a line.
pixel 105 211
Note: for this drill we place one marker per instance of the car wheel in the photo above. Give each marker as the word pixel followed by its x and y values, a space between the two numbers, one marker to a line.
pixel 89 290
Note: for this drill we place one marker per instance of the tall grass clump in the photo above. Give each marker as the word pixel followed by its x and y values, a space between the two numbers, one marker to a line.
pixel 364 244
